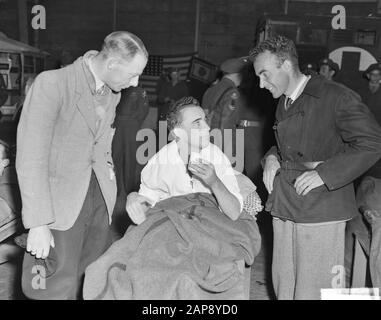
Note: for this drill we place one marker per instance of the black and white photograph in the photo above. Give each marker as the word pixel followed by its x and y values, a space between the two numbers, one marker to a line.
pixel 190 154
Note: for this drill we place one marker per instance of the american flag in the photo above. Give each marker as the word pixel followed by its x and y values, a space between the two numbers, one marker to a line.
pixel 157 64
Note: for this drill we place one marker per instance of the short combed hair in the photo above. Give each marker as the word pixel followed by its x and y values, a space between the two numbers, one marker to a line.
pixel 282 47
pixel 123 43
pixel 174 115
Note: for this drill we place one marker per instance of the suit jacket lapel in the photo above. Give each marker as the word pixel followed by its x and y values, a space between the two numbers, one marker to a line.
pixel 110 112
pixel 87 109
pixel 83 98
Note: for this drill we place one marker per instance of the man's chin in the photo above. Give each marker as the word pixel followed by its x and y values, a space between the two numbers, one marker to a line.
pixel 116 88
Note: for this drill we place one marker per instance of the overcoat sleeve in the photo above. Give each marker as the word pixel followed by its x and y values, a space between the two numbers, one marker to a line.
pixel 361 135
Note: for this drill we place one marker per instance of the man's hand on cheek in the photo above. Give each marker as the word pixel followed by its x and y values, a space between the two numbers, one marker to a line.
pixel 204 171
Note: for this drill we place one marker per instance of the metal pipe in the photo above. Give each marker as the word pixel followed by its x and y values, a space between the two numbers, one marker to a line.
pixel 197 26
pixel 23 21
pixel 36 34
pixel 115 16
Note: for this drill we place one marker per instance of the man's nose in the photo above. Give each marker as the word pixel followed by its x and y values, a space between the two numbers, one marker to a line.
pixel 205 126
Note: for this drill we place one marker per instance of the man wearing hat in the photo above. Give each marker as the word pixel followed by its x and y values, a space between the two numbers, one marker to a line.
pixel 328 68
pixel 371 93
pixel 222 101
pixel 309 69
pixel 371 96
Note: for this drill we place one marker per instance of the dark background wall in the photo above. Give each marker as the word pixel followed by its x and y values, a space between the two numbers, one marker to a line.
pixel 166 26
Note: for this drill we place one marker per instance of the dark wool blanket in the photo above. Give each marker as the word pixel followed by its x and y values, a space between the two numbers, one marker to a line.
pixel 185 249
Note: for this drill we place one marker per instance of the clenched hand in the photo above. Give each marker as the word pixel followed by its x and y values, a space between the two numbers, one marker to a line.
pixel 307 181
pixel 39 241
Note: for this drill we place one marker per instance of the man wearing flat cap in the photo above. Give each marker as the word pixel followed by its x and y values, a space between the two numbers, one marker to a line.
pixel 371 92
pixel 328 68
pixel 309 69
pixel 222 101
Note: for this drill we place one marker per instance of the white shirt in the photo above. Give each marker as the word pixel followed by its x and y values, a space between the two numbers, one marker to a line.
pixel 165 174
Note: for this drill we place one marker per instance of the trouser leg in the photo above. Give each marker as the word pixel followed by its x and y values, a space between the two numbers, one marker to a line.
pixel 319 258
pixel 375 253
pixel 58 276
pixel 283 268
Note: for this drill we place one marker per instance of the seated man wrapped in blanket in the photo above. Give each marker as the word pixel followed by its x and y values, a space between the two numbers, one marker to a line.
pixel 196 224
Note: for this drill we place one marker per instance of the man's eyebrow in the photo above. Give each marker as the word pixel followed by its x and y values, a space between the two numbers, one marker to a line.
pixel 260 72
pixel 198 119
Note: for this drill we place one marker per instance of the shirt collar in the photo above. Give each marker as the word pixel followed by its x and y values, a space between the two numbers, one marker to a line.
pixel 95 84
pixel 299 88
pixel 98 82
pixel 314 87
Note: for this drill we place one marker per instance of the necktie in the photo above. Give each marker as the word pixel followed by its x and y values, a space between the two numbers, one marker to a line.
pixel 287 103
pixel 101 91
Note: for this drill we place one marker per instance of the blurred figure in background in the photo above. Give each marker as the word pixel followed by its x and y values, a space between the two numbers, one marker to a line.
pixel 170 91
pixel 66 59
pixel 3 91
pixel 368 193
pixel 222 100
pixel 222 103
pixel 130 114
pixel 328 68
pixel 309 69
pixel 369 203
pixel 371 92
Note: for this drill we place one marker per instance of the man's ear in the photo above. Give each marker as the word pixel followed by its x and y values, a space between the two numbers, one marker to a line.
pixel 176 132
pixel 171 136
pixel 287 65
pixel 179 133
pixel 112 63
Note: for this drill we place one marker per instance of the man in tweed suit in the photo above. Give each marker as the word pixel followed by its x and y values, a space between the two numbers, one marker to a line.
pixel 64 164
